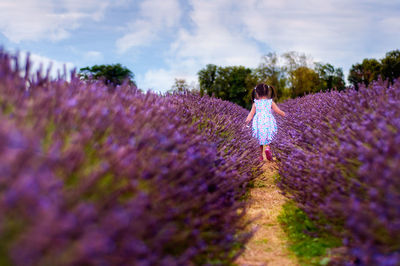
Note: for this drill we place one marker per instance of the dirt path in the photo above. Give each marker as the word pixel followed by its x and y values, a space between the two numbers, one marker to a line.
pixel 267 246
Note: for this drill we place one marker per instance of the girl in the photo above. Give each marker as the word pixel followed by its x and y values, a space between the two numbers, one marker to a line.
pixel 264 124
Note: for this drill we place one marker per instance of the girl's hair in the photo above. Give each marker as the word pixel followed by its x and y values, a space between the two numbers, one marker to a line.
pixel 263 90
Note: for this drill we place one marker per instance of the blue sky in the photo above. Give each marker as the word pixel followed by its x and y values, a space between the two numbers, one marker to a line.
pixel 160 40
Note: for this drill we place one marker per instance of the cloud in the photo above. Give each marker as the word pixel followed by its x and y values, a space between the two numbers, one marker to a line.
pixel 159 80
pixel 92 9
pixel 332 31
pixel 212 38
pixel 215 37
pixel 93 56
pixel 155 17
pixel 35 20
pixel 162 80
pixel 226 32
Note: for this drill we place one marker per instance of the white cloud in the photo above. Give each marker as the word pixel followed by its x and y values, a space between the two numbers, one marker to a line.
pixel 213 39
pixel 92 9
pixel 156 80
pixel 216 37
pixel 142 36
pixel 162 80
pixel 93 56
pixel 337 32
pixel 319 28
pixel 46 19
pixel 155 17
pixel 226 32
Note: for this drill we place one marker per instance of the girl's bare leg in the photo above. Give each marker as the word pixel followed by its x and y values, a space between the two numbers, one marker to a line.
pixel 261 152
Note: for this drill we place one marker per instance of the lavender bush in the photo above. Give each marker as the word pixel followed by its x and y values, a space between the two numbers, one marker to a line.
pixel 221 122
pixel 93 177
pixel 339 160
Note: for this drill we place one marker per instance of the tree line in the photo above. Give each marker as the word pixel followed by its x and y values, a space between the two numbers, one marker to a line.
pixel 387 68
pixel 292 75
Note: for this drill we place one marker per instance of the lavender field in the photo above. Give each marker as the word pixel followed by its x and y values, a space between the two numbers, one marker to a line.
pixel 90 176
pixel 339 160
pixel 93 176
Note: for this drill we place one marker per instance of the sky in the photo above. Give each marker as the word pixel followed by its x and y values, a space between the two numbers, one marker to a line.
pixel 161 40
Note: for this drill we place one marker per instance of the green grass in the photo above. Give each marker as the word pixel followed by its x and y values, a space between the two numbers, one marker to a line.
pixel 276 177
pixel 309 243
pixel 257 183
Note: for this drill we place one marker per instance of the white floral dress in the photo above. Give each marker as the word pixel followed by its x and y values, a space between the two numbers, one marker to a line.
pixel 264 123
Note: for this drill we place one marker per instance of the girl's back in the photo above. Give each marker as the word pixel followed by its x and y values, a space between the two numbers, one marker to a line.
pixel 263 105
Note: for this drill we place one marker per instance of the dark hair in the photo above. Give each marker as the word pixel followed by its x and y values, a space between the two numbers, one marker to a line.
pixel 263 90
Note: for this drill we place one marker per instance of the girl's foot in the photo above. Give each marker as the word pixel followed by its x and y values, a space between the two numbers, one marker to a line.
pixel 268 154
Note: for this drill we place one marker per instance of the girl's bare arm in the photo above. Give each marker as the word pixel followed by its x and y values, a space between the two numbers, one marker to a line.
pixel 277 110
pixel 251 114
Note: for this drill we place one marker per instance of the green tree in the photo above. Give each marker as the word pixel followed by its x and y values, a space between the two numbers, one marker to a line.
pixel 112 75
pixel 294 60
pixel 233 83
pixel 207 78
pixel 302 78
pixel 391 66
pixel 364 73
pixel 269 72
pixel 330 77
pixel 180 85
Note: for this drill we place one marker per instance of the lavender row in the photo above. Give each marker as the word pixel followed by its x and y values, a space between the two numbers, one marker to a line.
pixel 221 122
pixel 339 160
pixel 94 177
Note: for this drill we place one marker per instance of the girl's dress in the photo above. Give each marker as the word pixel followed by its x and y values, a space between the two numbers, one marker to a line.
pixel 264 123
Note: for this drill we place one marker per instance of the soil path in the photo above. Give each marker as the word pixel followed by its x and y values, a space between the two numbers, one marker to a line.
pixel 267 246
